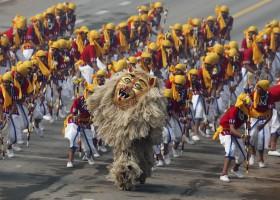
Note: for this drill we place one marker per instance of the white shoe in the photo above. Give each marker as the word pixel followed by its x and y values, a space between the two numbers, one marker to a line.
pixel 90 161
pixel 208 133
pixel 84 158
pixel 273 153
pixel 10 153
pixel 238 173
pixel 20 142
pixel 224 178
pixel 16 148
pixel 25 131
pixel 96 155
pixel 61 114
pixel 48 117
pixel 160 163
pixel 167 159
pixel 262 165
pixel 252 160
pixel 187 140
pixel 102 149
pixel 175 153
pixel 195 138
pixel 69 164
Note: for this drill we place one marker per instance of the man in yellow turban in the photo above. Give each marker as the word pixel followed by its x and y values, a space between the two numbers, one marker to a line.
pixel 177 109
pixel 225 22
pixel 210 31
pixel 70 16
pixel 78 126
pixel 122 35
pixel 260 113
pixel 9 112
pixel 50 24
pixel 16 33
pixel 231 135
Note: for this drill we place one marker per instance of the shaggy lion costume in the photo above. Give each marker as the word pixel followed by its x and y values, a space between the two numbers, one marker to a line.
pixel 129 113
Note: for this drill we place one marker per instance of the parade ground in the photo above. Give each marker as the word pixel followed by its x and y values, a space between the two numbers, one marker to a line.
pixel 39 171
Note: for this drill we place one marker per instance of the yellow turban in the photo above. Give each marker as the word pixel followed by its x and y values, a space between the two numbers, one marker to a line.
pixel 101 72
pixel 264 84
pixel 180 67
pixel 132 60
pixel 179 79
pixel 167 93
pixel 7 76
pixel 243 100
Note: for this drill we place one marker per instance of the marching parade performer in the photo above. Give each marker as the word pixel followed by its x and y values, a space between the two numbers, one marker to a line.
pixel 35 31
pixel 134 27
pixel 89 56
pixel 209 83
pixel 50 24
pixel 177 109
pixel 109 40
pixel 122 35
pixel 21 78
pixel 80 41
pixel 178 40
pixel 155 13
pixel 231 136
pixel 145 30
pixel 225 22
pixel 16 35
pixel 166 53
pixel 70 17
pixel 196 93
pixel 59 12
pixel 9 112
pixel 78 127
pixel 210 31
pixel 260 113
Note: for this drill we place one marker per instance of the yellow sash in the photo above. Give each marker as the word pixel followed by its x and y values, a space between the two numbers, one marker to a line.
pixel 257 54
pixel 206 79
pixel 123 41
pixel 43 68
pixel 38 33
pixel 7 97
pixel 80 43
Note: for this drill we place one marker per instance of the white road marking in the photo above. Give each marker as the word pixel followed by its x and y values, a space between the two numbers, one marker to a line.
pixel 79 21
pixel 125 3
pixel 156 169
pixel 101 12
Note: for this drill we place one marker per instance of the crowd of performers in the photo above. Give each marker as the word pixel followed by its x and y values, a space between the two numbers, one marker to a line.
pixel 215 87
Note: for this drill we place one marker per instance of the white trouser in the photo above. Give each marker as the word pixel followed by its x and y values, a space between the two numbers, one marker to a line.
pixel 14 129
pixel 274 122
pixel 23 113
pixel 73 133
pixel 234 148
pixel 259 139
pixel 87 72
pixel 166 135
pixel 176 129
pixel 156 149
pixel 198 107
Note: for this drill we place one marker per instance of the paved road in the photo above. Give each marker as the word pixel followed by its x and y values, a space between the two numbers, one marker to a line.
pixel 39 172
